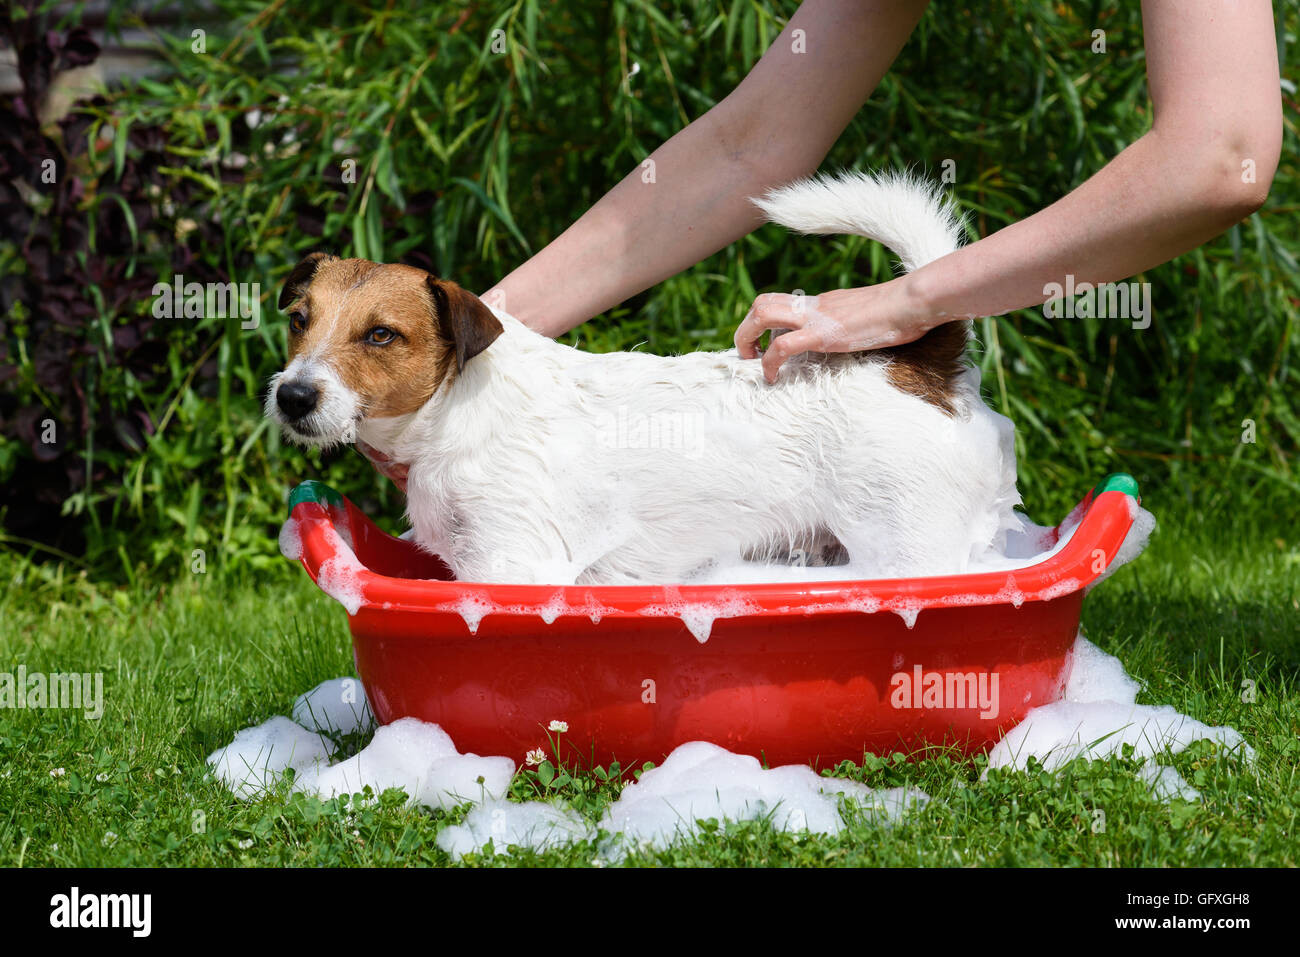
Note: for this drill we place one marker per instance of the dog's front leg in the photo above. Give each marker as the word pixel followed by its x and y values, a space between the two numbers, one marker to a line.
pixel 524 559
pixel 503 569
pixel 498 538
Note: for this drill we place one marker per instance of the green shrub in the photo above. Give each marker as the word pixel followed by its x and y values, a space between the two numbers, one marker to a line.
pixel 402 135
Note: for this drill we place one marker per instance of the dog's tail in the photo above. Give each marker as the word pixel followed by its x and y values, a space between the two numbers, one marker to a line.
pixel 904 212
pixel 915 220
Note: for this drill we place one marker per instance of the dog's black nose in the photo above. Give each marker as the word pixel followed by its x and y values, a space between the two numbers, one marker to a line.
pixel 296 399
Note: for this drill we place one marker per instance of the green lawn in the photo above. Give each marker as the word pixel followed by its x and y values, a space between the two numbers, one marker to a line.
pixel 186 666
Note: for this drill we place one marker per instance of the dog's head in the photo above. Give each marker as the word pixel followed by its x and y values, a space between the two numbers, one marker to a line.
pixel 368 340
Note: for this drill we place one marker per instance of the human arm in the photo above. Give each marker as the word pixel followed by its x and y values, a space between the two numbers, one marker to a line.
pixel 1213 75
pixel 777 125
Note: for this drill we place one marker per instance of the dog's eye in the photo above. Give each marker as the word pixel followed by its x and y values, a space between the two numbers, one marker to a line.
pixel 297 322
pixel 380 336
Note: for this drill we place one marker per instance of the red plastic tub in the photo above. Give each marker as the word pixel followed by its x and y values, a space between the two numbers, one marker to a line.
pixel 791 673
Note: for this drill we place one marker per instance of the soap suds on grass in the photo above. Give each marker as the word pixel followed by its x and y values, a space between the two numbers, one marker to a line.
pixel 420 759
pixel 536 825
pixel 338 706
pixel 413 755
pixel 253 762
pixel 1165 783
pixel 1098 716
pixel 698 781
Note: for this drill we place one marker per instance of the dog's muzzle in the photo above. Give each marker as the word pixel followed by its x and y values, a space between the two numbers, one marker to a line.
pixel 313 406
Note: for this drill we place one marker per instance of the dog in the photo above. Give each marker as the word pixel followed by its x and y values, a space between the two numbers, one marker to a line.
pixel 532 462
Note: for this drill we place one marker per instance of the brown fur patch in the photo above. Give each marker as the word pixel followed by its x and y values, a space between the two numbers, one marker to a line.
pixel 928 368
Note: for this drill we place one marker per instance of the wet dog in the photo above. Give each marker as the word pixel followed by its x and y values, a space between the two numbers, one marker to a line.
pixel 533 462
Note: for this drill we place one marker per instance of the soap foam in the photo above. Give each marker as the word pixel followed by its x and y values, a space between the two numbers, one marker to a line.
pixel 340 578
pixel 291 540
pixel 698 781
pixel 1165 783
pixel 532 824
pixel 554 608
pixel 1097 676
pixel 909 616
pixel 472 608
pixel 1098 716
pixel 253 763
pixel 338 706
pixel 420 759
pixel 698 617
pixel 1135 542
pixel 701 781
pixel 339 519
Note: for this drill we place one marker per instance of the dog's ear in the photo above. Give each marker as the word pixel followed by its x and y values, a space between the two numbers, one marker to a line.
pixel 300 277
pixel 463 319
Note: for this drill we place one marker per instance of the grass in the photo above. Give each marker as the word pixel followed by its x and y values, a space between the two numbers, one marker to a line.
pixel 1204 610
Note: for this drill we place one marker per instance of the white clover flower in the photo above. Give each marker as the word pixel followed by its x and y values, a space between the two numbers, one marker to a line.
pixel 101 777
pixel 560 726
pixel 245 845
pixel 58 773
pixel 110 838
pixel 534 757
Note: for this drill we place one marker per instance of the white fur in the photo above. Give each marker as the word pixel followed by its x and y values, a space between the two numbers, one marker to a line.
pixel 542 464
pixel 334 420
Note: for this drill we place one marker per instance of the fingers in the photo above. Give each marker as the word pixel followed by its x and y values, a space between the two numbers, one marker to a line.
pixel 842 320
pixel 770 311
pixel 787 347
